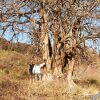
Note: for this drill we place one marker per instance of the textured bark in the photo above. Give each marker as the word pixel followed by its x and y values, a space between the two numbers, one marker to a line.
pixel 72 86
pixel 58 65
pixel 58 56
pixel 47 49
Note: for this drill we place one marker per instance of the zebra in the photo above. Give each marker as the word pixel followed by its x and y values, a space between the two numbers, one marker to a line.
pixel 34 71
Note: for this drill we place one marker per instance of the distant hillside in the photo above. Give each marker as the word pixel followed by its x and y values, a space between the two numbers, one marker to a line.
pixel 12 60
pixel 8 45
pixel 14 79
pixel 20 47
pixel 15 84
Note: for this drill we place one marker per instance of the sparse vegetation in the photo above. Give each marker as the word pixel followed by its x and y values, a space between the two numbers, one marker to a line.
pixel 15 85
pixel 63 33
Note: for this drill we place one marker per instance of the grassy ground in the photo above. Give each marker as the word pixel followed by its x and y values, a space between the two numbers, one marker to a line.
pixel 15 85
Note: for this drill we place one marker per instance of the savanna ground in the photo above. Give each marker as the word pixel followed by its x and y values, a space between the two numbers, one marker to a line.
pixel 15 85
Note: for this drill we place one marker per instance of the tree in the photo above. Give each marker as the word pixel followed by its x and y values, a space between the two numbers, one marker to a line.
pixel 69 24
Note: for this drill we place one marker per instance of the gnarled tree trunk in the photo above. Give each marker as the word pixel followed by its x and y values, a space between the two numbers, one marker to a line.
pixel 71 85
pixel 47 49
pixel 58 57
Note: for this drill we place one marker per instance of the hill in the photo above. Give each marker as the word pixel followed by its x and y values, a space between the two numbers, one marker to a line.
pixel 23 48
pixel 8 45
pixel 15 84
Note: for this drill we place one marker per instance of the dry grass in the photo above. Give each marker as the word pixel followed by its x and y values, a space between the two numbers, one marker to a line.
pixel 15 85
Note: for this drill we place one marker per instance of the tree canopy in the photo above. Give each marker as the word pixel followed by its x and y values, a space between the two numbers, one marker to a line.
pixel 64 17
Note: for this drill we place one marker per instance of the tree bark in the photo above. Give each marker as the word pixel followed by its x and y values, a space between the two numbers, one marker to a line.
pixel 71 85
pixel 57 58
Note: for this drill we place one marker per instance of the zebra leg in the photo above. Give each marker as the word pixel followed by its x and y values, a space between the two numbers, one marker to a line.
pixel 30 77
pixel 38 78
pixel 41 76
pixel 33 77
